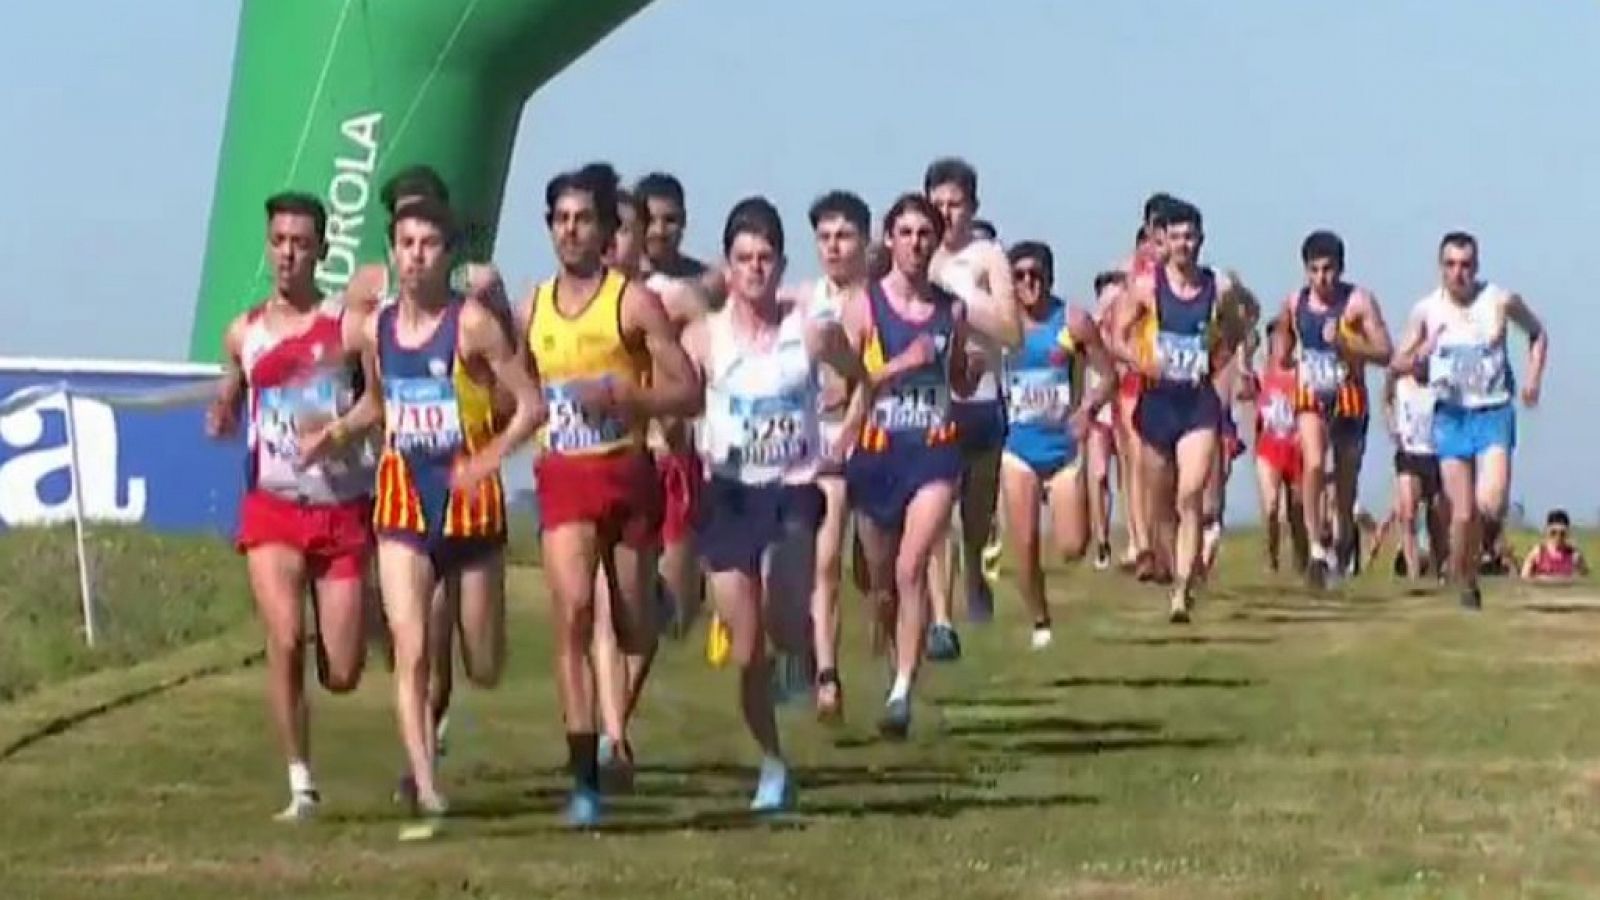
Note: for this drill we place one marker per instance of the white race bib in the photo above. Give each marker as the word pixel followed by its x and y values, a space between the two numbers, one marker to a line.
pixel 1468 372
pixel 1277 416
pixel 773 430
pixel 1322 372
pixel 285 412
pixel 1039 396
pixel 422 416
pixel 1183 357
pixel 571 429
pixel 915 405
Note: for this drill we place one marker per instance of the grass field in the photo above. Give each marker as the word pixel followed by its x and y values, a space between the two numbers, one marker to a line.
pixel 1367 742
pixel 153 594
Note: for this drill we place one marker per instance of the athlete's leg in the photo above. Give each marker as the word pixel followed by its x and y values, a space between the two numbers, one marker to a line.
pixel 1020 492
pixel 1492 488
pixel 277 580
pixel 1269 488
pixel 1158 480
pixel 1295 520
pixel 407 576
pixel 1348 449
pixel 1195 457
pixel 483 618
pixel 879 546
pixel 610 676
pixel 1211 507
pixel 927 515
pixel 571 553
pixel 1407 499
pixel 1313 432
pixel 1069 513
pixel 789 576
pixel 738 600
pixel 1131 452
pixel 1100 452
pixel 980 492
pixel 444 612
pixel 825 596
pixel 633 617
pixel 341 627
pixel 1459 481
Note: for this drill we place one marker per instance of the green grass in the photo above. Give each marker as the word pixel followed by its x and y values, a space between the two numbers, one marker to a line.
pixel 1365 743
pixel 153 594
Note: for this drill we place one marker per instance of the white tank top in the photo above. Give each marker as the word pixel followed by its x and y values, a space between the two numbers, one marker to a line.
pixel 961 274
pixel 1413 417
pixel 297 383
pixel 1468 368
pixel 761 424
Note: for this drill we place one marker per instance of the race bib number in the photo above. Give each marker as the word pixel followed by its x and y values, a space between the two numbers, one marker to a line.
pixel 284 413
pixel 914 406
pixel 571 429
pixel 1322 372
pixel 1039 396
pixel 1468 371
pixel 1277 416
pixel 423 416
pixel 1183 357
pixel 773 431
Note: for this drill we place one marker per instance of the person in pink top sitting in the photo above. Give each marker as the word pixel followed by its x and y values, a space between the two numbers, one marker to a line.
pixel 1554 559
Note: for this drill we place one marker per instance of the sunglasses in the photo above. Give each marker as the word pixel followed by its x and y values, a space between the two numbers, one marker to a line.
pixel 1557 532
pixel 1028 274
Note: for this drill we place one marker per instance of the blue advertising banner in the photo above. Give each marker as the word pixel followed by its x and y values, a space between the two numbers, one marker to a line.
pixel 143 454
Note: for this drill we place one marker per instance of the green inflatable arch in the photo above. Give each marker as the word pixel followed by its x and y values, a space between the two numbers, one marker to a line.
pixel 329 96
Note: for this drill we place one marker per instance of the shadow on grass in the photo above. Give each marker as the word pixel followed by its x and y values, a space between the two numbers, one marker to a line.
pixel 1008 701
pixel 1096 745
pixel 1563 609
pixel 1189 639
pixel 1154 682
pixel 1322 616
pixel 1050 724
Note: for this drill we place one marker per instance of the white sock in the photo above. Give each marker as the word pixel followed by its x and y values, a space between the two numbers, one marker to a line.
pixel 1319 552
pixel 300 778
pixel 901 688
pixel 773 765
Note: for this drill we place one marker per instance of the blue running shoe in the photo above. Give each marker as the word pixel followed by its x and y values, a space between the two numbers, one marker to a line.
pixel 895 723
pixel 943 644
pixel 583 808
pixel 774 792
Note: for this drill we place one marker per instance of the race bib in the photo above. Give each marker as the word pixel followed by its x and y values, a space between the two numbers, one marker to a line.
pixel 285 412
pixel 1467 371
pixel 1322 372
pixel 571 429
pixel 773 430
pixel 1039 396
pixel 1277 416
pixel 912 406
pixel 1183 357
pixel 423 416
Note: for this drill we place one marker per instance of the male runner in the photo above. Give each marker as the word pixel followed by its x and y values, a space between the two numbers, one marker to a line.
pixel 977 272
pixel 1339 330
pixel 1177 332
pixel 1459 332
pixel 842 226
pixel 1149 253
pixel 1555 560
pixel 298 525
pixel 1100 445
pixel 620 679
pixel 902 476
pixel 1049 415
pixel 1408 408
pixel 440 506
pixel 611 361
pixel 764 446
pixel 1278 458
pixel 474 607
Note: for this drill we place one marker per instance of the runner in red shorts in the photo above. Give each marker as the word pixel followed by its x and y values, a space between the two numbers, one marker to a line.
pixel 298 526
pixel 1278 458
pixel 611 361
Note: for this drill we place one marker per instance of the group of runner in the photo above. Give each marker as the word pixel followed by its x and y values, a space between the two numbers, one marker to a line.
pixel 693 419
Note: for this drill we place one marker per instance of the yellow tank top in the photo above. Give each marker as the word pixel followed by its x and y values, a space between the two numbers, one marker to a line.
pixel 571 351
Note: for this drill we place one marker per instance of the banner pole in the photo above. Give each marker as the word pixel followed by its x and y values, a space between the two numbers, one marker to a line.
pixel 84 593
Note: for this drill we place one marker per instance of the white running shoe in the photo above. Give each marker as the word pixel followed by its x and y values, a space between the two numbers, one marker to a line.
pixel 1041 638
pixel 302 807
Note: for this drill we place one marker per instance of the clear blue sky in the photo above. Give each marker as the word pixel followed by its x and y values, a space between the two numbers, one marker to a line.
pixel 1389 120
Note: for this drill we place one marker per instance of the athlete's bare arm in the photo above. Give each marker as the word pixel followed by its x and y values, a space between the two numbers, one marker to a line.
pixel 685 302
pixel 1518 311
pixel 828 344
pixel 1375 346
pixel 1413 346
pixel 966 363
pixel 1390 383
pixel 483 337
pixel 367 412
pixel 1097 359
pixel 364 290
pixel 999 320
pixel 1126 317
pixel 222 418
pixel 674 388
